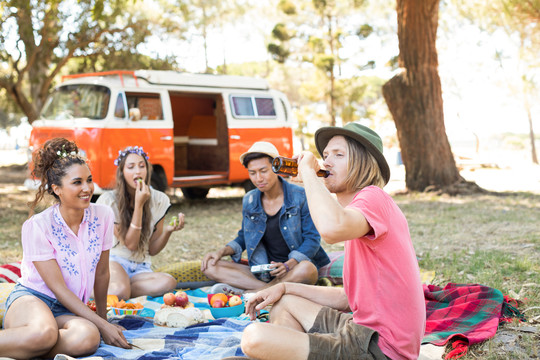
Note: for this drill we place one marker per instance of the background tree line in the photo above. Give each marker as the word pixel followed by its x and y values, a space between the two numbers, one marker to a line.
pixel 42 40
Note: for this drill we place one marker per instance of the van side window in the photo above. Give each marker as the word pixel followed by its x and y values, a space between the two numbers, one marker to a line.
pixel 265 106
pixel 252 106
pixel 144 106
pixel 120 108
pixel 242 106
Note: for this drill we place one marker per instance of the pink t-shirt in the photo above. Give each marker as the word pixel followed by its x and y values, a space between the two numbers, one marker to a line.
pixel 381 277
pixel 46 236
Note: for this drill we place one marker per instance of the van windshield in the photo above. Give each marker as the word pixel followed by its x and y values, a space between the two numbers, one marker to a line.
pixel 77 101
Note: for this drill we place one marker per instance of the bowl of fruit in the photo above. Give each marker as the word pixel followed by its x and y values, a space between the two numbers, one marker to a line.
pixel 124 308
pixel 223 305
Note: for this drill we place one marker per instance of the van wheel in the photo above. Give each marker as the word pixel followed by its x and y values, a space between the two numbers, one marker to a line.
pixel 158 181
pixel 195 193
pixel 248 186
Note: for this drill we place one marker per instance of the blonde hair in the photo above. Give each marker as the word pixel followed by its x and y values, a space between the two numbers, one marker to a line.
pixel 362 168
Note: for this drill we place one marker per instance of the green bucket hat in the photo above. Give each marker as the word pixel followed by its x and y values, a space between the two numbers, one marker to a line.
pixel 364 135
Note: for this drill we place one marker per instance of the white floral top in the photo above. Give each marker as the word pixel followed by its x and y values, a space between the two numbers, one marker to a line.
pixel 46 236
pixel 159 205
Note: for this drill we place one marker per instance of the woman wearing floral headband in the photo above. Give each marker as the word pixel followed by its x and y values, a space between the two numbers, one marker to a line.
pixel 140 232
pixel 65 258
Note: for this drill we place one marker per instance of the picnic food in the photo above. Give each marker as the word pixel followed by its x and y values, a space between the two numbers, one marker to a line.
pixel 169 299
pixel 111 300
pixel 235 300
pixel 181 299
pixel 124 305
pixel 174 221
pixel 178 317
pixel 218 300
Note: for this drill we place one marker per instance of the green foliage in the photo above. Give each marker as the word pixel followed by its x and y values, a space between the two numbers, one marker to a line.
pixel 324 62
pixel 50 33
pixel 125 60
pixel 364 31
pixel 278 52
pixel 314 33
pixel 281 32
pixel 287 7
pixel 203 16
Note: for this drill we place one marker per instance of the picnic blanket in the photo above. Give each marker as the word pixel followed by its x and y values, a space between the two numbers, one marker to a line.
pixel 464 314
pixel 215 339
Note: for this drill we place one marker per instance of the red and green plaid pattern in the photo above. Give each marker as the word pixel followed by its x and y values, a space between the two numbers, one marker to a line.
pixel 462 313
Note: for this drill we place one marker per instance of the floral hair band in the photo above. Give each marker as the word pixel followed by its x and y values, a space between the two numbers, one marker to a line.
pixel 63 153
pixel 130 150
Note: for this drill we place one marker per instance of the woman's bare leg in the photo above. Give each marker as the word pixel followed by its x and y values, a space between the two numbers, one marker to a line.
pixel 152 283
pixel 30 329
pixel 77 337
pixel 119 283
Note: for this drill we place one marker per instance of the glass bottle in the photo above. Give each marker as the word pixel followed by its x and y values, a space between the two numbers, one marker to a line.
pixel 287 166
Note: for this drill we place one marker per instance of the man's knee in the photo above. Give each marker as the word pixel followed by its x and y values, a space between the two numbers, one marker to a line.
pixel 305 272
pixel 211 271
pixel 253 339
pixel 282 307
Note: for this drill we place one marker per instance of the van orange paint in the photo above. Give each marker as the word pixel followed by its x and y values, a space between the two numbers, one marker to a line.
pixel 193 126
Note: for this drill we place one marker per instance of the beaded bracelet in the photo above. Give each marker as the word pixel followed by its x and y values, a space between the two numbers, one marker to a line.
pixel 286 267
pixel 135 226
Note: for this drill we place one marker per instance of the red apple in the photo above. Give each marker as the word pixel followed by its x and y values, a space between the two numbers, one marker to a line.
pixel 169 299
pixel 181 299
pixel 218 304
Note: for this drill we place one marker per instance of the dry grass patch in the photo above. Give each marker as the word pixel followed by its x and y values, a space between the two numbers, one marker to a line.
pixel 492 239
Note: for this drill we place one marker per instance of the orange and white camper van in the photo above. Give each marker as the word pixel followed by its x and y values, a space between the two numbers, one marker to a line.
pixel 194 127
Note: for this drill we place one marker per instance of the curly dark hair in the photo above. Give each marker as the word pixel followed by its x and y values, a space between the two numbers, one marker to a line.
pixel 51 162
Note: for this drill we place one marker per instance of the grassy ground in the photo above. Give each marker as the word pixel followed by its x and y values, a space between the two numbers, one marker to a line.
pixel 491 239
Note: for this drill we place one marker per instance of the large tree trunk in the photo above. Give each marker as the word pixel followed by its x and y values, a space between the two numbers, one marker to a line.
pixel 414 98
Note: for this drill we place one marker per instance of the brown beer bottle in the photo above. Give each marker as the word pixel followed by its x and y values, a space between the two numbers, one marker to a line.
pixel 287 166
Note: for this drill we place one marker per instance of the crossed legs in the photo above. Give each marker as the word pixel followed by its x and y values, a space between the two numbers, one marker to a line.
pixel 240 276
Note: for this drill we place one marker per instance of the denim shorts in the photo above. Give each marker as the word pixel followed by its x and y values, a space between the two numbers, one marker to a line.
pixel 132 268
pixel 334 335
pixel 19 290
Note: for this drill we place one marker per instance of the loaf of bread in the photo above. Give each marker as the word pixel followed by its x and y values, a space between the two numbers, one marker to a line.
pixel 178 317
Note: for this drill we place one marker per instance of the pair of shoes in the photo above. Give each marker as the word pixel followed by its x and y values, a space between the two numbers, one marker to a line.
pixel 226 289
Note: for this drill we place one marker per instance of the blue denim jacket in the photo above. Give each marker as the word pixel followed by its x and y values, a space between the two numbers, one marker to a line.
pixel 295 224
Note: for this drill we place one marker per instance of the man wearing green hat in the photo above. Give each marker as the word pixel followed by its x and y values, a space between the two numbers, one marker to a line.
pixel 380 311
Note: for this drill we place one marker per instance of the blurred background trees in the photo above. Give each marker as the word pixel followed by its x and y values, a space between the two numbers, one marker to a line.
pixel 331 58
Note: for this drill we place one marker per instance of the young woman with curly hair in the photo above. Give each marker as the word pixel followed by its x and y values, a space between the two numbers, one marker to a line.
pixel 65 259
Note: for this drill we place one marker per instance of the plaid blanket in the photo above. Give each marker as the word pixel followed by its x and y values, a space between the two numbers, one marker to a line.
pixel 463 314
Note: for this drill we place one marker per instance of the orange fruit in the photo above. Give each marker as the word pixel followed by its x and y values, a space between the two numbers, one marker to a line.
pixel 219 296
pixel 112 300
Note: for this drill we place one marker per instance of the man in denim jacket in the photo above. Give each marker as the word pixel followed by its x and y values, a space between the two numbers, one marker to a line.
pixel 276 229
